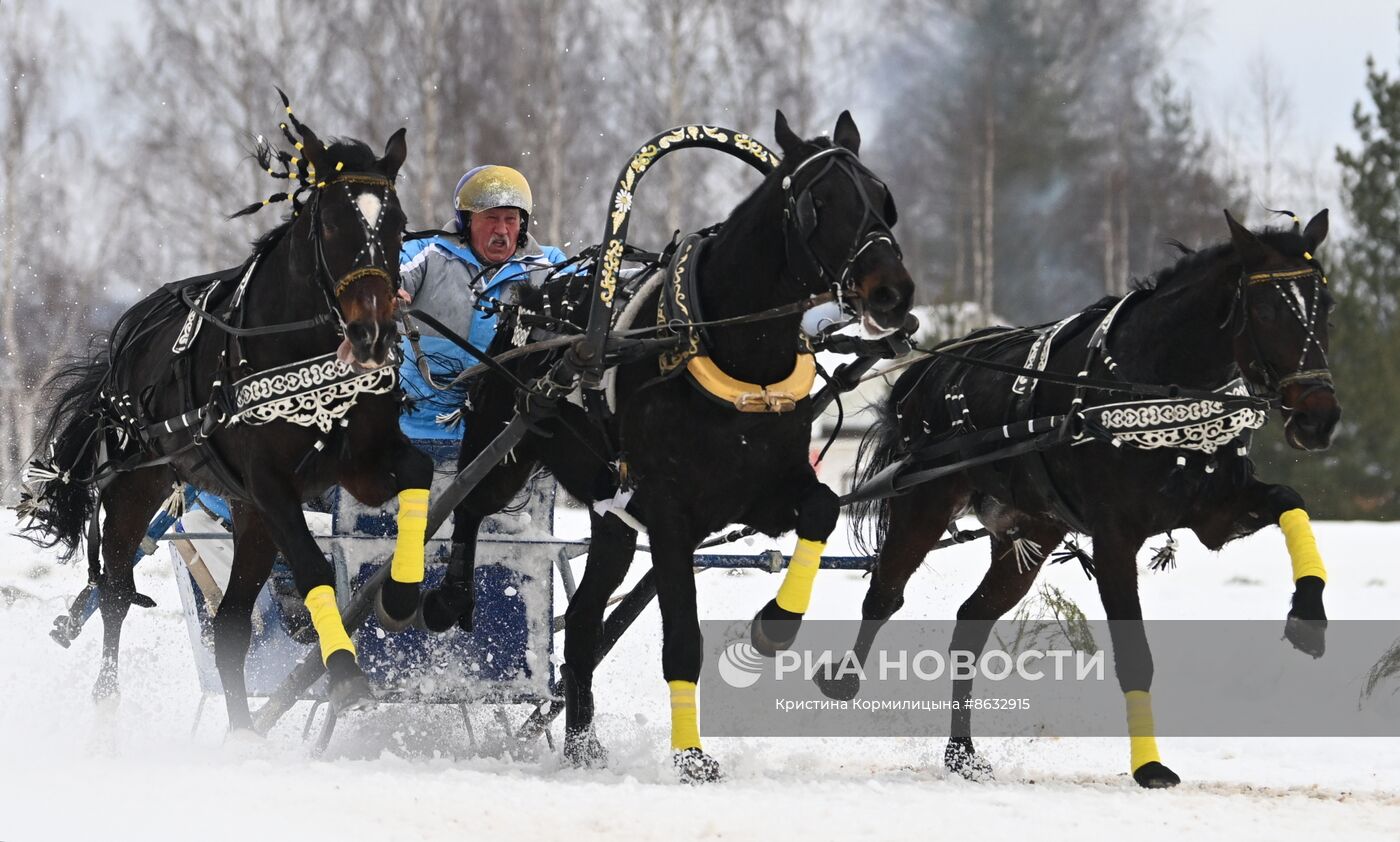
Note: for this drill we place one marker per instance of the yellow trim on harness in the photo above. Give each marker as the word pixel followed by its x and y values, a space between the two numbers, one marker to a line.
pixel 407 566
pixel 795 594
pixel 1266 277
pixel 1142 733
pixel 325 618
pixel 685 716
pixel 753 397
pixel 1302 546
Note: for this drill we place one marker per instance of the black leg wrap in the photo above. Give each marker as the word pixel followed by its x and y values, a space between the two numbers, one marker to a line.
pixel 1306 626
pixel 454 602
pixel 1155 776
pixel 773 629
pixel 395 605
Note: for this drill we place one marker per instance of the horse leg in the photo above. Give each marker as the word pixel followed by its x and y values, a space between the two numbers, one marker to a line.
pixel 453 602
pixel 673 559
pixel 409 475
pixel 315 580
pixel 129 501
pixel 1007 580
pixel 1115 563
pixel 916 522
pixel 610 553
pixel 1255 506
pixel 775 626
pixel 253 554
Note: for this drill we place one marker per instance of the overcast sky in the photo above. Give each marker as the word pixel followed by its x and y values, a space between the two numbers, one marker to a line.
pixel 1317 51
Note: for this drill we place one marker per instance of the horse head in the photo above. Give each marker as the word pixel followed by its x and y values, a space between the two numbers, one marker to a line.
pixel 357 229
pixel 346 231
pixel 1282 341
pixel 837 221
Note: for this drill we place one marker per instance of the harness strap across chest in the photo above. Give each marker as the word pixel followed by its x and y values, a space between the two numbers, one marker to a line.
pixel 679 309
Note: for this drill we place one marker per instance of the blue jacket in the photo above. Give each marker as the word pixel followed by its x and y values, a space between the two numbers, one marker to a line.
pixel 445 278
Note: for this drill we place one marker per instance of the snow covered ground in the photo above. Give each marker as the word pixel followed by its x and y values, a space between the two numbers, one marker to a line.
pixel 134 770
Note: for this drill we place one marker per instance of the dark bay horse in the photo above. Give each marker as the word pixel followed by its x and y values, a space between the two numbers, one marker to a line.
pixel 1257 306
pixel 266 384
pixel 679 458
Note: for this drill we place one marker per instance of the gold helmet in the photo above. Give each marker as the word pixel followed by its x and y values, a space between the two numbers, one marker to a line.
pixel 493 186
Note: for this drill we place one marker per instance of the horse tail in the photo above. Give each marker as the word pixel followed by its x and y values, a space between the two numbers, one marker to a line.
pixel 879 448
pixel 61 493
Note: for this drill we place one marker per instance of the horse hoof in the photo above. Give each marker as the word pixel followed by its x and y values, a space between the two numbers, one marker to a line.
pixel 773 629
pixel 842 689
pixel 65 631
pixel 694 766
pixel 583 751
pixel 448 606
pixel 1155 776
pixel 351 694
pixel 1307 636
pixel 961 758
pixel 396 606
pixel 106 688
pixel 349 689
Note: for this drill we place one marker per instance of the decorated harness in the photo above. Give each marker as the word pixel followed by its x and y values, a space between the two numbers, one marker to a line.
pixel 316 392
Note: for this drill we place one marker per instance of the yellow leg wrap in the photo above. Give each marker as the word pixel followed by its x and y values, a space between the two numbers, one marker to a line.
pixel 685 717
pixel 407 566
pixel 796 591
pixel 1142 733
pixel 1302 547
pixel 325 617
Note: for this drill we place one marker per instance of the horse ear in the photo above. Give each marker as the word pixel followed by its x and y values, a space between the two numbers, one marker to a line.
pixel 394 153
pixel 1247 246
pixel 788 140
pixel 314 150
pixel 1316 231
pixel 846 133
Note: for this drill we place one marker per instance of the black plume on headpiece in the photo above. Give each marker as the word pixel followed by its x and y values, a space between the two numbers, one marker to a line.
pixel 1297 223
pixel 296 165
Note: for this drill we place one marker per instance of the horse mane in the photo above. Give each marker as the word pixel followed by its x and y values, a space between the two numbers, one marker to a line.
pixel 357 157
pixel 1286 241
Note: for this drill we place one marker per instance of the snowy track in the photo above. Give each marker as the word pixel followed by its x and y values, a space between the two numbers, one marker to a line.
pixel 71 770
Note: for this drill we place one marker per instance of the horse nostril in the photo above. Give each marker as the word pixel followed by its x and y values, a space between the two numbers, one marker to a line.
pixel 883 299
pixel 388 338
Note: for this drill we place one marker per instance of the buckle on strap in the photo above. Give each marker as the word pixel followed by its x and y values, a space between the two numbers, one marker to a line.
pixel 765 401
